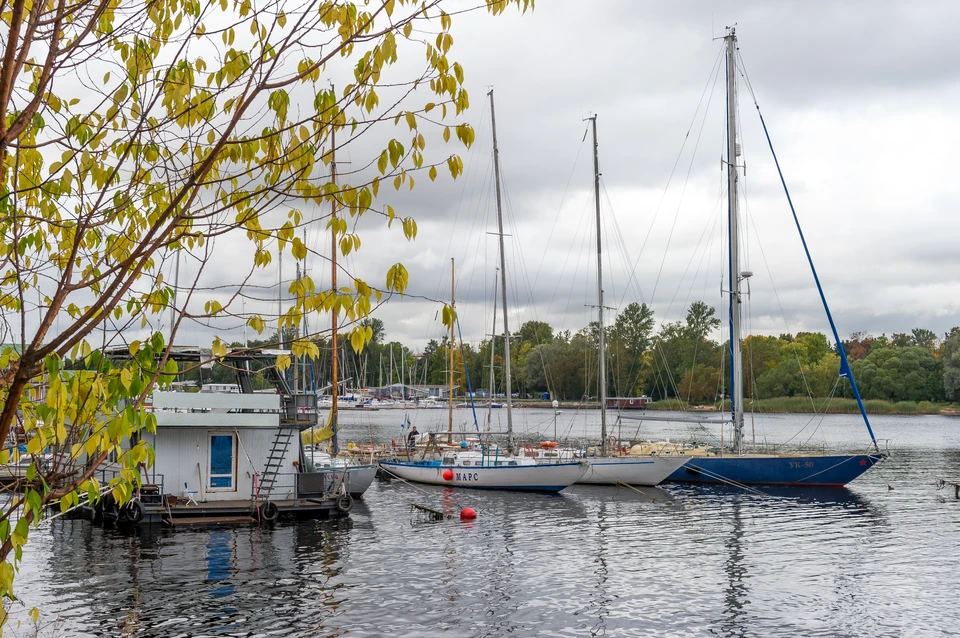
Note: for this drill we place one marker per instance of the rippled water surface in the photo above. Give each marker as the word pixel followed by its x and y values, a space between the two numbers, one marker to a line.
pixel 863 561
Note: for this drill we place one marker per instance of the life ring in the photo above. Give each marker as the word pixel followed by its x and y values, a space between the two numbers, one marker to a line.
pixel 269 511
pixel 345 503
pixel 548 444
pixel 134 512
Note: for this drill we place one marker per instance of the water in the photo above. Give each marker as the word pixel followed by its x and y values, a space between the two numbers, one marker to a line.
pixel 863 561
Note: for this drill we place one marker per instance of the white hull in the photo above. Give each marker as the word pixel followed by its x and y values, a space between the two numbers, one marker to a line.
pixel 632 470
pixel 537 478
pixel 360 478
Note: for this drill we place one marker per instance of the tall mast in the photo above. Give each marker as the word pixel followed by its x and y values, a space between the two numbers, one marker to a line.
pixel 503 282
pixel 493 350
pixel 173 303
pixel 296 335
pixel 736 355
pixel 453 305
pixel 334 381
pixel 602 339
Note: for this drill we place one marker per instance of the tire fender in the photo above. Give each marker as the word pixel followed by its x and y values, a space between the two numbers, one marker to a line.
pixel 345 503
pixel 269 511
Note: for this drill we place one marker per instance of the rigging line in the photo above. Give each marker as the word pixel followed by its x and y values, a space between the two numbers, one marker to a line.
pixel 560 277
pixel 711 80
pixel 522 272
pixel 463 190
pixel 626 263
pixel 783 315
pixel 563 199
pixel 822 414
pixel 845 369
pixel 430 327
pixel 683 191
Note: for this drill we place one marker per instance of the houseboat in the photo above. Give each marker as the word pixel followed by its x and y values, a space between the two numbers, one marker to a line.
pixel 232 456
pixel 627 403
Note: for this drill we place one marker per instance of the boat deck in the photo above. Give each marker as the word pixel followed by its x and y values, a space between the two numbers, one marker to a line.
pixel 233 511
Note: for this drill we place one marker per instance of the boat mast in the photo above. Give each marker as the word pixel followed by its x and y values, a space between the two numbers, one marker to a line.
pixel 736 337
pixel 334 388
pixel 503 282
pixel 493 350
pixel 601 345
pixel 453 305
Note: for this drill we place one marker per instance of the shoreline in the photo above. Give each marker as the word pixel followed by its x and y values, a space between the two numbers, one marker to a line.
pixel 782 405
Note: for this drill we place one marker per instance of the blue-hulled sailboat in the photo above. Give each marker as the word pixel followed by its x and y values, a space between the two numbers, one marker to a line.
pixel 735 466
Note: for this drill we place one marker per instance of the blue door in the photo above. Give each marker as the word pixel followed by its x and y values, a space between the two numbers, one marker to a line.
pixel 222 461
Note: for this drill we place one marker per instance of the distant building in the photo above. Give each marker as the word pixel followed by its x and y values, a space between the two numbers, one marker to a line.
pixel 404 391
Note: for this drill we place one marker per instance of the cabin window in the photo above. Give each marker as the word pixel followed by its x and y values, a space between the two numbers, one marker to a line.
pixel 223 462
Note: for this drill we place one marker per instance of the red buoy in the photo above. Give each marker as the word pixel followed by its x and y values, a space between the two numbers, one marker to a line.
pixel 467 514
pixel 448 475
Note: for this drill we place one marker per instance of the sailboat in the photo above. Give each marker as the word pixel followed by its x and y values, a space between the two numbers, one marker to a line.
pixel 359 475
pixel 606 469
pixel 737 467
pixel 484 465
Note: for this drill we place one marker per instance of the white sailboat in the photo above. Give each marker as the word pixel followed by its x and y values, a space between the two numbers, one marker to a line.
pixel 606 469
pixel 484 466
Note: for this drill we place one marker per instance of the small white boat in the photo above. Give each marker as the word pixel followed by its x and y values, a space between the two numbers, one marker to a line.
pixel 359 476
pixel 478 470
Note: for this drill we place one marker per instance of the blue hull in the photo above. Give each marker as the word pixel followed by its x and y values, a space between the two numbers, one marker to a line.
pixel 833 471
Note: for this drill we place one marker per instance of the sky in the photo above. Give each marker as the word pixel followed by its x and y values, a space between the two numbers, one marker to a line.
pixel 861 101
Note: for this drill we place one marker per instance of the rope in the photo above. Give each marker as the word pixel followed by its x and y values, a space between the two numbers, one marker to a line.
pixel 415 486
pixel 730 482
pixel 80 502
pixel 620 483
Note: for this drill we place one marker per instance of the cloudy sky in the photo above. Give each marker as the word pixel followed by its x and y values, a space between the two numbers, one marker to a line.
pixel 861 101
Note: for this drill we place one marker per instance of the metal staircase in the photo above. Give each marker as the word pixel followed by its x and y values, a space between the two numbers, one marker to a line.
pixel 278 452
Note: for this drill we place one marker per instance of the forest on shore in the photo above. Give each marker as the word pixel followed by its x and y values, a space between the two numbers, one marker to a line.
pixel 677 365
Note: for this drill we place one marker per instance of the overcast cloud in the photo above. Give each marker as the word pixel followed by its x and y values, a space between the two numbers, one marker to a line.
pixel 861 100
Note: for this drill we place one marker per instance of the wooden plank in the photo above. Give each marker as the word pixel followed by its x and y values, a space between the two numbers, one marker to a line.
pixel 211 520
pixel 214 400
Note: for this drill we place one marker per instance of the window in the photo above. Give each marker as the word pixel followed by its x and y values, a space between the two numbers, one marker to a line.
pixel 222 473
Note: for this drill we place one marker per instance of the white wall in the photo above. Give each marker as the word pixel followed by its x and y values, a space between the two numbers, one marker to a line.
pixel 178 450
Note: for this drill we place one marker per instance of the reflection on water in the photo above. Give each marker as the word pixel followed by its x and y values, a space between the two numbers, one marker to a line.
pixel 735 593
pixel 691 560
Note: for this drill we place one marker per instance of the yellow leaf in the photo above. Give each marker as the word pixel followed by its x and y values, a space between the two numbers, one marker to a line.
pixel 34 446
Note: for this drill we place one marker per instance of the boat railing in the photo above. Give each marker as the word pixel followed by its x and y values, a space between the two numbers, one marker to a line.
pixel 319 484
pixel 150 492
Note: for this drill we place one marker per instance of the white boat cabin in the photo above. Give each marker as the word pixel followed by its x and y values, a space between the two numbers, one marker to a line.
pixel 214 446
pixel 473 458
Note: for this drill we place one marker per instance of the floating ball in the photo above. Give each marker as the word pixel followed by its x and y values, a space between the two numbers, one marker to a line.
pixel 467 514
pixel 463 445
pixel 448 475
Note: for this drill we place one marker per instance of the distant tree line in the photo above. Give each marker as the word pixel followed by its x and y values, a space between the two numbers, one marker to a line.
pixel 680 361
